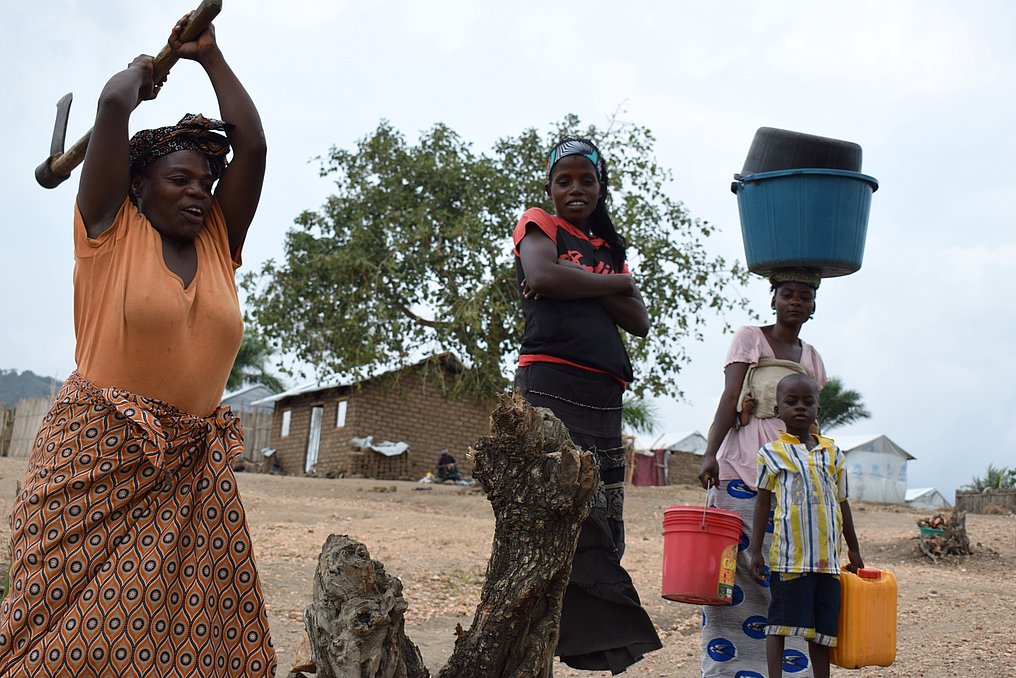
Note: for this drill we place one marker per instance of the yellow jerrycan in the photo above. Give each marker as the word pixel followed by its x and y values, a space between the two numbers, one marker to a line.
pixel 867 633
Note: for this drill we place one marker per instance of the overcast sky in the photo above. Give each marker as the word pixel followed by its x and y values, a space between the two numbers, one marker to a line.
pixel 925 329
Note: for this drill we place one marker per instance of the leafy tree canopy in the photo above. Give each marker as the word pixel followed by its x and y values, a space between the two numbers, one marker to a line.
pixel 839 406
pixel 995 478
pixel 413 254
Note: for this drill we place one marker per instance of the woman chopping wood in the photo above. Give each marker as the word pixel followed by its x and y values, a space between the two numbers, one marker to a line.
pixel 130 548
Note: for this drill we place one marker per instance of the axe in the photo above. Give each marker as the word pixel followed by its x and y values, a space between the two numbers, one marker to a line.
pixel 59 165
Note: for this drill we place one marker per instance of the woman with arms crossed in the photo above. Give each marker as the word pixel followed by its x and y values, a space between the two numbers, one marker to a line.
pixel 576 293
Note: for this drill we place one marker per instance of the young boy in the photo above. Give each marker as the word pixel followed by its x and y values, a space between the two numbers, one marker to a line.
pixel 807 474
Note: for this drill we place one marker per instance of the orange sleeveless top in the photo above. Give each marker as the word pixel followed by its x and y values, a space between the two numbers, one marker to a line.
pixel 139 329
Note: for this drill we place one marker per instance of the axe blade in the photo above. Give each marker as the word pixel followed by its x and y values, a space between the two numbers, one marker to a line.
pixel 63 112
pixel 47 174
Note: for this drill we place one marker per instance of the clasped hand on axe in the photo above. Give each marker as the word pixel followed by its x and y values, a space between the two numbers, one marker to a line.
pixel 59 165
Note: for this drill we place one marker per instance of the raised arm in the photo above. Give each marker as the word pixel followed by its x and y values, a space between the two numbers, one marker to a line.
pixel 723 421
pixel 239 190
pixel 105 174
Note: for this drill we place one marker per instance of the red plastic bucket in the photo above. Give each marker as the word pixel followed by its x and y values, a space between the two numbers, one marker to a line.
pixel 700 554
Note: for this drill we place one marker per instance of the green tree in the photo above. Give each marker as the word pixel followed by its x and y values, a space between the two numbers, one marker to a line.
pixel 250 365
pixel 839 406
pixel 413 252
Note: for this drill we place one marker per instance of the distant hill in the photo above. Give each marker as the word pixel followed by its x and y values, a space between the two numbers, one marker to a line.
pixel 14 386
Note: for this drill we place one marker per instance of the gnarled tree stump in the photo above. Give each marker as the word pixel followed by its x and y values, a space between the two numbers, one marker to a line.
pixel 541 489
pixel 356 621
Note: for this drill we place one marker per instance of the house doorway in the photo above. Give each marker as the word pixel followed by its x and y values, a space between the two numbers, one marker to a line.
pixel 314 440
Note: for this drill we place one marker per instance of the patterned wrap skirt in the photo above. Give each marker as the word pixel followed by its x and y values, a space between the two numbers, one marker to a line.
pixel 130 553
pixel 603 624
pixel 733 636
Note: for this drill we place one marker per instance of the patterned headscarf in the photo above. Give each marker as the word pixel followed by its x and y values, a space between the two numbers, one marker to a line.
pixel 579 147
pixel 192 133
pixel 806 276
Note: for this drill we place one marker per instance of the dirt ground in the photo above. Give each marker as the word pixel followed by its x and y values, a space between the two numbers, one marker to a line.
pixel 954 618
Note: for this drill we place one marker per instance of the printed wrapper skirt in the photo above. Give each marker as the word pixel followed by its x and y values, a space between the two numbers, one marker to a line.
pixel 733 636
pixel 130 553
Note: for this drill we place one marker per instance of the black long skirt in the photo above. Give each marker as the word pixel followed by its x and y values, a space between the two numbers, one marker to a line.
pixel 603 624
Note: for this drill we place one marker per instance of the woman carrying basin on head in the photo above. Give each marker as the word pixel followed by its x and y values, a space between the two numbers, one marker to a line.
pixel 733 639
pixel 130 548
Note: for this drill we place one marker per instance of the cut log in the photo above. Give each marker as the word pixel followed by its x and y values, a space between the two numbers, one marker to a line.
pixel 355 622
pixel 541 489
pixel 945 536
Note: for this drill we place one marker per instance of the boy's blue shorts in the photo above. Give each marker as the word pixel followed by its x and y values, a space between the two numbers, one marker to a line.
pixel 805 605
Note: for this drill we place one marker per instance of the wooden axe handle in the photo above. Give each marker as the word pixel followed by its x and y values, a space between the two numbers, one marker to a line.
pixel 56 168
pixel 200 19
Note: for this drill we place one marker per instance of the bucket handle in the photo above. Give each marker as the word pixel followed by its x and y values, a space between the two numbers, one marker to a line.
pixel 736 183
pixel 705 508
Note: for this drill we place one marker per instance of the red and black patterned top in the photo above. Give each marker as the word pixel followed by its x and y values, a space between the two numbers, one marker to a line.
pixel 576 332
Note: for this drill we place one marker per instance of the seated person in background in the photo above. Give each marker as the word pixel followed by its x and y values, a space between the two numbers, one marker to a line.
pixel 447 466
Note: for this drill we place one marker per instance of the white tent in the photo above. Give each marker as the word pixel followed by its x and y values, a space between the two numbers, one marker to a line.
pixel 926 498
pixel 876 468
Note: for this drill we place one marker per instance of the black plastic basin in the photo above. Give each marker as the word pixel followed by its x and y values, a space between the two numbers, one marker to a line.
pixel 779 149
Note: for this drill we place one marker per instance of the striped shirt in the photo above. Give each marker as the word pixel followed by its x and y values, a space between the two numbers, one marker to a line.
pixel 808 486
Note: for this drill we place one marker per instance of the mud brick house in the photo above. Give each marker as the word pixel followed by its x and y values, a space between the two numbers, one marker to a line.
pixel 315 425
pixel 684 458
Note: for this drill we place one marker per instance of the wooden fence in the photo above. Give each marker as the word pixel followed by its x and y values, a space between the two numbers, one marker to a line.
pixel 6 424
pixel 257 427
pixel 27 418
pixel 979 502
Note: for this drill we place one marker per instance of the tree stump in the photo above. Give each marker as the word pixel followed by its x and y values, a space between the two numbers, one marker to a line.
pixel 541 489
pixel 355 622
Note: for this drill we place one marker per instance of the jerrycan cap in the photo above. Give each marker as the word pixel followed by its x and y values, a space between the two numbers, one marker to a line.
pixel 869 573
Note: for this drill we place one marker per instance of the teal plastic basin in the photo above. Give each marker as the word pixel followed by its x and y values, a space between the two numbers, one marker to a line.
pixel 813 218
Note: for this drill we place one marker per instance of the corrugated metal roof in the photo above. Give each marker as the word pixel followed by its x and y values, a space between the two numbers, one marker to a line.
pixel 348 379
pixel 877 443
pixel 692 441
pixel 916 492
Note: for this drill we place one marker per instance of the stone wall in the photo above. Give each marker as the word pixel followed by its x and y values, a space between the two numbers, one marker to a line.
pixel 683 468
